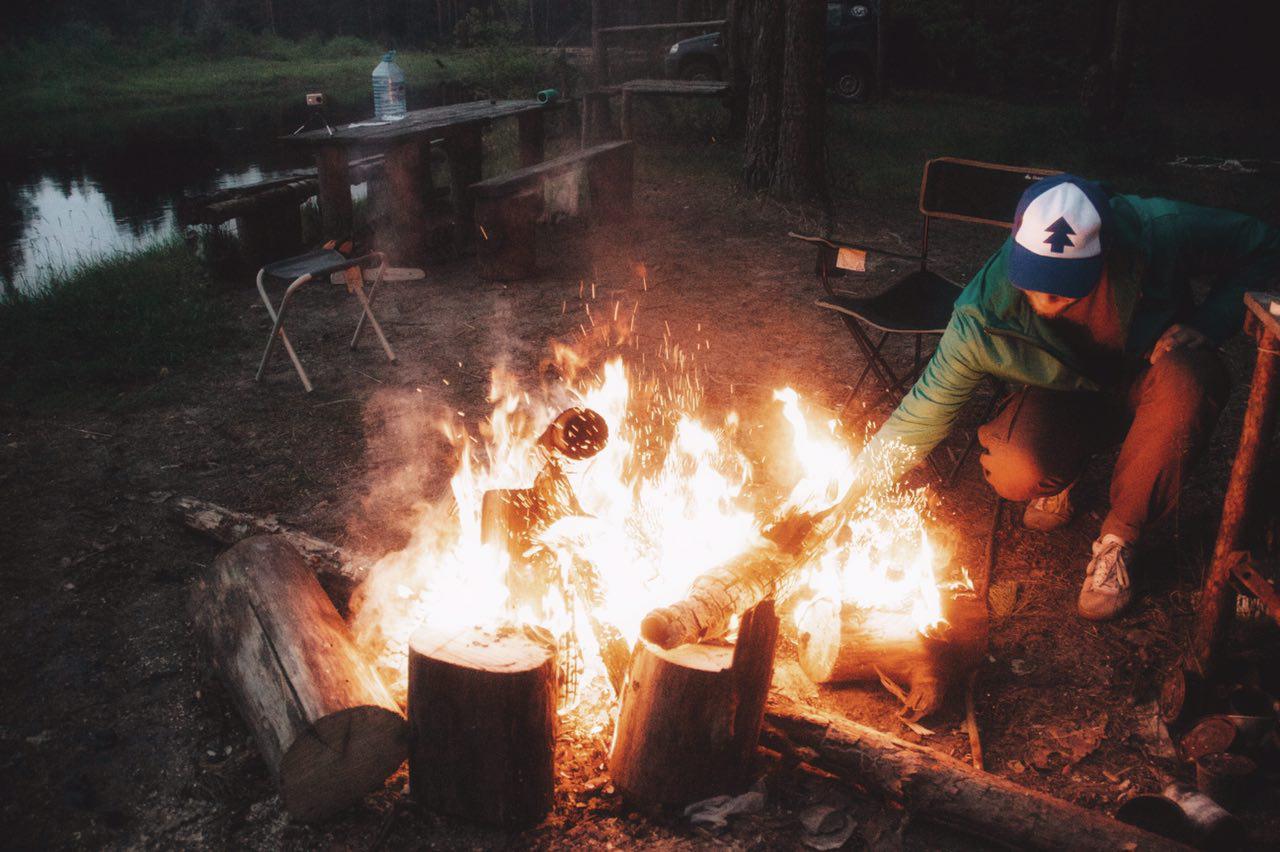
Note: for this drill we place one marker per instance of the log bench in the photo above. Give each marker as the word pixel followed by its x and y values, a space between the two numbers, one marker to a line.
pixel 507 206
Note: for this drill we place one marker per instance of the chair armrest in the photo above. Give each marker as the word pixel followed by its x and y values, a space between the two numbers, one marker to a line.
pixel 836 245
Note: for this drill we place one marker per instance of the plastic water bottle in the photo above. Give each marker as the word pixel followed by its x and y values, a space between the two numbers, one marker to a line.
pixel 388 89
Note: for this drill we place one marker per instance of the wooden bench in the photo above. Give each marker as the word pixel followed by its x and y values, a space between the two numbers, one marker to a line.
pixel 507 206
pixel 268 214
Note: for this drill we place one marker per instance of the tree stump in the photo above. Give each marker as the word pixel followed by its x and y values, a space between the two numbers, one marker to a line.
pixel 690 717
pixel 326 725
pixel 845 645
pixel 482 714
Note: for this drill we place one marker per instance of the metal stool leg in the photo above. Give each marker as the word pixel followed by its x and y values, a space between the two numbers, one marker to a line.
pixel 277 328
pixel 367 311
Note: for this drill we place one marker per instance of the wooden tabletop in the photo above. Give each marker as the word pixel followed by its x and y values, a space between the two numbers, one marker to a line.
pixel 1263 305
pixel 438 121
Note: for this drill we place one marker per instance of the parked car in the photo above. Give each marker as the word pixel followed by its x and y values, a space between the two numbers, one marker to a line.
pixel 850 48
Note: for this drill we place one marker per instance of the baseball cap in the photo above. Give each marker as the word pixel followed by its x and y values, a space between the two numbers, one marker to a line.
pixel 1057 237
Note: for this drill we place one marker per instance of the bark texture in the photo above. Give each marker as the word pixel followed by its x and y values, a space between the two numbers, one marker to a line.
pixel 325 724
pixel 940 788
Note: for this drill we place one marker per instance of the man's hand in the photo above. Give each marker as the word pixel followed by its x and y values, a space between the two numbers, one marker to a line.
pixel 1177 336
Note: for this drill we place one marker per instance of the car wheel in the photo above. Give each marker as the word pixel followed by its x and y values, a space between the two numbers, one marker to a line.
pixel 700 69
pixel 852 84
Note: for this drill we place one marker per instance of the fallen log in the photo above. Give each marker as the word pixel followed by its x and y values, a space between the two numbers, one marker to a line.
pixel 482 713
pixel 324 722
pixel 690 717
pixel 229 526
pixel 942 789
pixel 847 644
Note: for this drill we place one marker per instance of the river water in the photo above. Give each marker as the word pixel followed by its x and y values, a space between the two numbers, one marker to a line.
pixel 79 187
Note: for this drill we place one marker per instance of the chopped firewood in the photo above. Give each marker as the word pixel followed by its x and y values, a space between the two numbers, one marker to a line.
pixel 847 644
pixel 482 714
pixel 940 788
pixel 690 716
pixel 325 724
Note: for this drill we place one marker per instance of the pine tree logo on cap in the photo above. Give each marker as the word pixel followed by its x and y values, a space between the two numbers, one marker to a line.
pixel 1057 237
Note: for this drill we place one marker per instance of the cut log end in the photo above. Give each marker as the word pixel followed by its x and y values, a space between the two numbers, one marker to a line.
pixel 482 711
pixel 345 755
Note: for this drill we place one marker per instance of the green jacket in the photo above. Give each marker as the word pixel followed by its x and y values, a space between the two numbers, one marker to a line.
pixel 1153 251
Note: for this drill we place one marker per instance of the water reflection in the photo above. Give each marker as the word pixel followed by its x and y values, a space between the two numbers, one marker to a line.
pixel 85 185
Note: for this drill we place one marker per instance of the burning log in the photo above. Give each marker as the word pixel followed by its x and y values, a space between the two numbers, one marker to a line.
pixel 947 791
pixel 482 713
pixel 325 724
pixel 850 644
pixel 690 716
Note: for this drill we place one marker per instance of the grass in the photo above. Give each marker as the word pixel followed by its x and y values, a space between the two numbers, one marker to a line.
pixel 106 324
pixel 156 72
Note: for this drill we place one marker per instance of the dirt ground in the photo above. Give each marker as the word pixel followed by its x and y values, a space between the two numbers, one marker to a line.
pixel 114 735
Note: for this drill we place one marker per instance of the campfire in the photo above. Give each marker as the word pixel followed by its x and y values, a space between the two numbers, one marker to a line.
pixel 669 496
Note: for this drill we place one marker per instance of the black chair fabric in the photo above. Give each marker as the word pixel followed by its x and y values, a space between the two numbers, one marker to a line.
pixel 316 262
pixel 920 303
pixel 973 191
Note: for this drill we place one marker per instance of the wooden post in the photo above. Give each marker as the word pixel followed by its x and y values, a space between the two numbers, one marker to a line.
pixel 466 164
pixel 270 232
pixel 336 212
pixel 506 236
pixel 403 168
pixel 532 133
pixel 610 182
pixel 625 121
pixel 325 724
pixel 482 713
pixel 690 717
pixel 1217 603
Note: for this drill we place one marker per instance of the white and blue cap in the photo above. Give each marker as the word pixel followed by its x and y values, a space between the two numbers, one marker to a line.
pixel 1057 237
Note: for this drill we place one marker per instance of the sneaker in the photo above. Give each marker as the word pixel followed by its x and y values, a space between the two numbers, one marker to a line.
pixel 1049 513
pixel 1107 590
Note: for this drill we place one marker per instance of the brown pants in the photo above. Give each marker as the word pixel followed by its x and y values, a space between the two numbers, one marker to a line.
pixel 1041 440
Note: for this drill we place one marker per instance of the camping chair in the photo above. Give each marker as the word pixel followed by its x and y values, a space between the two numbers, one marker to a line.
pixel 920 302
pixel 321 263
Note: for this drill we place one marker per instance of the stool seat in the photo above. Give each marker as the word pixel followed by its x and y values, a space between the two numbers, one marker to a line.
pixel 314 263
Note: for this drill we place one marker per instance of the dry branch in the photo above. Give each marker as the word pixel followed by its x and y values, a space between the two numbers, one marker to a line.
pixel 945 790
pixel 229 526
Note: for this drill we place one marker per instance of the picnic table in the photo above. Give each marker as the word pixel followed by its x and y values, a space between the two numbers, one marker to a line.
pixel 405 147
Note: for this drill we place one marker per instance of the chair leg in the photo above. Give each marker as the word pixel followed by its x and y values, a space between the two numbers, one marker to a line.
pixel 277 328
pixel 373 289
pixel 373 321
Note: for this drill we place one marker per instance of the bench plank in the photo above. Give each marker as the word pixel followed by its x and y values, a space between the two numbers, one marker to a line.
pixel 530 176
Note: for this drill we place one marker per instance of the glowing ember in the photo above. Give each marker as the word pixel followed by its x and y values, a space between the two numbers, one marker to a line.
pixel 663 501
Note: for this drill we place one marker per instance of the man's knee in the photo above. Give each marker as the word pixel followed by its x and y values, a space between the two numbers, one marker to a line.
pixel 1034 445
pixel 1014 473
pixel 1188 382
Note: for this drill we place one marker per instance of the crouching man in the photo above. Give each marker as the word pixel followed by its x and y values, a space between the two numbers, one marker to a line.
pixel 1087 310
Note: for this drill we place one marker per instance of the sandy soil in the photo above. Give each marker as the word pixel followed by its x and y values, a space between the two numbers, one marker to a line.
pixel 114 735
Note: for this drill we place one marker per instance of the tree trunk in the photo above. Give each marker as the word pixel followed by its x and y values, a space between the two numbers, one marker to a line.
pixel 1106 85
pixel 942 789
pixel 690 717
pixel 800 171
pixel 325 724
pixel 482 713
pixel 739 35
pixel 764 95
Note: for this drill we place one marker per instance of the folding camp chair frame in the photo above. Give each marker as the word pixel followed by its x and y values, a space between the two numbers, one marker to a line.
pixel 355 284
pixel 830 253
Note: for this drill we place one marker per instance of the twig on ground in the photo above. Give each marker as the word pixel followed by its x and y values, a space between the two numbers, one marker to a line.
pixel 971 722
